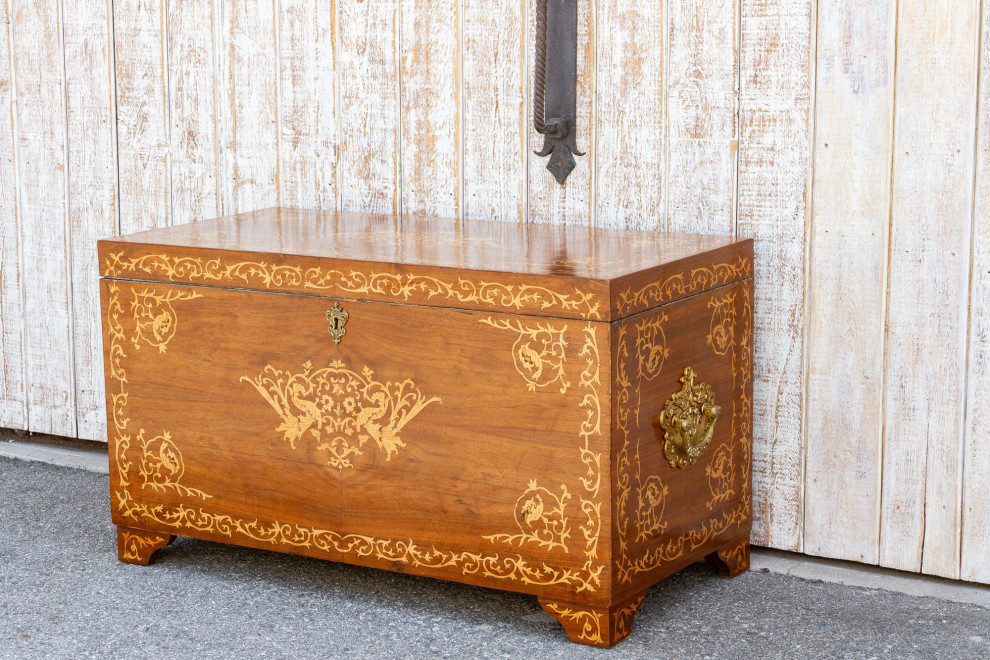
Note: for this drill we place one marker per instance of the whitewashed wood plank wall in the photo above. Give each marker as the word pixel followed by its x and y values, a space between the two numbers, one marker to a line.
pixel 851 138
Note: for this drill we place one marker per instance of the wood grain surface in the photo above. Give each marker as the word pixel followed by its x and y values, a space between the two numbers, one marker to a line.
pixel 853 138
pixel 40 157
pixel 368 118
pixel 702 116
pixel 143 138
pixel 13 398
pixel 92 169
pixel 495 115
pixel 776 56
pixel 932 184
pixel 975 540
pixel 247 105
pixel 192 111
pixel 432 261
pixel 308 150
pixel 430 111
pixel 631 114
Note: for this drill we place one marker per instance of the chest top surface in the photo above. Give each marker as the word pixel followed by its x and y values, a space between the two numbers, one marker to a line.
pixel 547 270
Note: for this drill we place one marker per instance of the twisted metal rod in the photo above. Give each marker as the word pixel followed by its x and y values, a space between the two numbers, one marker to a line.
pixel 540 68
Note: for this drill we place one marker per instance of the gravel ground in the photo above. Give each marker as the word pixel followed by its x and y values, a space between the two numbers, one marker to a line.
pixel 63 594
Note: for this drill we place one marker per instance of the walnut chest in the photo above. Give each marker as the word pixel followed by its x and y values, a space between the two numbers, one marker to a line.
pixel 564 412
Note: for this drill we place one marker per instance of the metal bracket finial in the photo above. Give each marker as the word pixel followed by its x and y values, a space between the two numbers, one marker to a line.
pixel 555 90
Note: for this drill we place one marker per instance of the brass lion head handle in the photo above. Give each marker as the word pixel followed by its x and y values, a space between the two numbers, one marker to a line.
pixel 688 420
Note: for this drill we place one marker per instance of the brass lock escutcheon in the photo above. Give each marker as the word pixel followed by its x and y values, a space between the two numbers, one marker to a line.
pixel 688 420
pixel 337 318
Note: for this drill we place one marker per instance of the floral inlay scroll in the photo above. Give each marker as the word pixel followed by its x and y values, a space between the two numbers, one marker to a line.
pixel 161 466
pixel 538 352
pixel 340 409
pixel 155 321
pixel 540 518
pixel 404 286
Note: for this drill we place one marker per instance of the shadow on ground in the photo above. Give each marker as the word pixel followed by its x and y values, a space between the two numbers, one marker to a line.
pixel 63 594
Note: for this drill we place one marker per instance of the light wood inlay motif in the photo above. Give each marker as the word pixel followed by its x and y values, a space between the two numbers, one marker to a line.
pixel 340 409
pixel 622 619
pixel 401 286
pixel 162 466
pixel 681 284
pixel 538 353
pixel 590 621
pixel 155 321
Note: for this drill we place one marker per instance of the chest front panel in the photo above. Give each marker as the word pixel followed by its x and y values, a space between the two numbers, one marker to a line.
pixel 465 443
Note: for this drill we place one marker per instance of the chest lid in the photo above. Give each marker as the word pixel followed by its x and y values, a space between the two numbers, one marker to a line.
pixel 544 270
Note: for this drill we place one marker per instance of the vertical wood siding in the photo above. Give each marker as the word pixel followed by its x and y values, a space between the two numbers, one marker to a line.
pixel 141 64
pixel 495 114
pixel 775 95
pixel 92 203
pixel 702 115
pixel 368 116
pixel 307 98
pixel 40 150
pixel 847 137
pixel 976 458
pixel 13 401
pixel 847 290
pixel 631 115
pixel 430 107
pixel 931 222
pixel 192 111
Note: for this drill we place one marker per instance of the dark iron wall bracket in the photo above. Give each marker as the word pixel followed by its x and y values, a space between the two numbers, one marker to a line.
pixel 555 84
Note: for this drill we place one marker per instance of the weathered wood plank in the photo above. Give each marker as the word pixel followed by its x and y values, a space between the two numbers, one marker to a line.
pixel 92 168
pixel 931 215
pixel 975 504
pixel 630 116
pixel 573 202
pixel 848 262
pixel 430 106
pixel 495 114
pixel 701 116
pixel 192 111
pixel 140 58
pixel 247 105
pixel 776 54
pixel 369 105
pixel 307 70
pixel 13 402
pixel 39 146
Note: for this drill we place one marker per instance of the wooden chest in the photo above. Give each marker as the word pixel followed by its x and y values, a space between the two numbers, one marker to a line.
pixel 558 411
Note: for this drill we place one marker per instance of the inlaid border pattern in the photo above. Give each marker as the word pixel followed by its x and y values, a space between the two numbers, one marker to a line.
pixel 622 619
pixel 510 567
pixel 627 416
pixel 135 545
pixel 679 285
pixel 590 380
pixel 590 621
pixel 404 286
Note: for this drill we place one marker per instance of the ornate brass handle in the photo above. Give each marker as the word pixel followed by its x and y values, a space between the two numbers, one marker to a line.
pixel 337 318
pixel 688 420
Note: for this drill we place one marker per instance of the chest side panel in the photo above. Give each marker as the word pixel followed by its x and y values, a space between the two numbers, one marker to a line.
pixel 439 441
pixel 682 436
